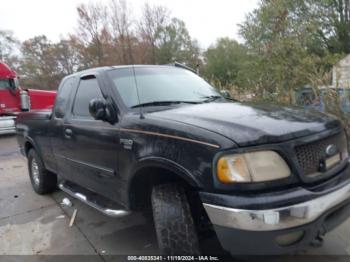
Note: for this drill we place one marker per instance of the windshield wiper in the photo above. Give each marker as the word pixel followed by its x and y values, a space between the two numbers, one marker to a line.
pixel 211 98
pixel 163 103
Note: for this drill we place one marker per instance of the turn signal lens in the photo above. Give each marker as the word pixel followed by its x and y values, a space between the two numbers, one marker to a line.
pixel 233 169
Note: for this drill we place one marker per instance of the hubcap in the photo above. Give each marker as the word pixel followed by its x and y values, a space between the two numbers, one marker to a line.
pixel 35 172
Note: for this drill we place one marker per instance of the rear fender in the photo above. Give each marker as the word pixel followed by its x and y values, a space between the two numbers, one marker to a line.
pixel 30 141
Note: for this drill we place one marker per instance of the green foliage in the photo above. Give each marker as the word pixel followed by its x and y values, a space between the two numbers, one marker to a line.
pixel 333 20
pixel 292 44
pixel 175 44
pixel 39 67
pixel 286 45
pixel 284 51
pixel 225 60
pixel 107 34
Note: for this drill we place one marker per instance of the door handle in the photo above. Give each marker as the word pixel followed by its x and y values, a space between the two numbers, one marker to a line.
pixel 68 133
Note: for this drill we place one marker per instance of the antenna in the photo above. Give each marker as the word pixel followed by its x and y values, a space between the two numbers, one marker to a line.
pixel 137 92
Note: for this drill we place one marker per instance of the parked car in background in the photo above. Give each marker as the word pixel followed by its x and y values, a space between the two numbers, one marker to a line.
pixel 264 179
pixel 309 99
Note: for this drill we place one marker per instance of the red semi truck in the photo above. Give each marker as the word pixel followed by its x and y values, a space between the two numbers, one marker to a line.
pixel 14 99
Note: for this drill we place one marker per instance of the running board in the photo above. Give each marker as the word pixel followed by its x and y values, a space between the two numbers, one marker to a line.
pixel 98 202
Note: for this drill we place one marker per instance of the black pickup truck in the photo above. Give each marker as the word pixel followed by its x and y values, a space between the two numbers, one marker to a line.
pixel 161 139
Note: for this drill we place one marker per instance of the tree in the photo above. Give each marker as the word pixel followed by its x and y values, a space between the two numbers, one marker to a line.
pixel 121 27
pixel 285 52
pixel 67 55
pixel 174 43
pixel 9 46
pixel 107 34
pixel 333 17
pixel 92 31
pixel 224 60
pixel 39 68
pixel 154 19
pixel 166 39
pixel 326 22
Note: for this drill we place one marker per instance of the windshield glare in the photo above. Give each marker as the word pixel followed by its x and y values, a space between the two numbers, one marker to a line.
pixel 160 84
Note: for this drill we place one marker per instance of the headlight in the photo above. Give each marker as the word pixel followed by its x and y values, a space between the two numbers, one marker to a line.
pixel 252 167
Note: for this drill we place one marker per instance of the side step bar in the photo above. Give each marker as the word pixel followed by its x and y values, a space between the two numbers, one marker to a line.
pixel 98 202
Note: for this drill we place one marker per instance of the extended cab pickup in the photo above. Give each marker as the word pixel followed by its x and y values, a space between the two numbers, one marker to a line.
pixel 160 138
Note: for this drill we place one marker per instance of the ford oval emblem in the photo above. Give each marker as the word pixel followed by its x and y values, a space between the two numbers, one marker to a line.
pixel 331 150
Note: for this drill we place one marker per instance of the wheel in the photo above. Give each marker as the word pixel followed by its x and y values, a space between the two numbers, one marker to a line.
pixel 42 180
pixel 176 232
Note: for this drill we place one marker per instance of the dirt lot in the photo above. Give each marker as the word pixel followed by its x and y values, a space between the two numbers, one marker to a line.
pixel 33 224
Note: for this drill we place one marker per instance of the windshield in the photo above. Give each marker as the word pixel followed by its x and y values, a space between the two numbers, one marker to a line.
pixel 8 83
pixel 160 84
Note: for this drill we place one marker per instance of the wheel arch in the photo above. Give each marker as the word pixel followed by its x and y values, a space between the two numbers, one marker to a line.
pixel 30 144
pixel 153 171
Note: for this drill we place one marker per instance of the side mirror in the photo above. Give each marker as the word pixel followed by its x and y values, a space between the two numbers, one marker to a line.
pixel 225 93
pixel 98 109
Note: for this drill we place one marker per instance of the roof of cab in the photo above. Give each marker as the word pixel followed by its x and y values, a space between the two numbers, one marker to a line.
pixel 105 68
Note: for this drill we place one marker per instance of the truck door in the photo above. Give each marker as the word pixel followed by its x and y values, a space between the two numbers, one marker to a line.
pixel 9 97
pixel 91 145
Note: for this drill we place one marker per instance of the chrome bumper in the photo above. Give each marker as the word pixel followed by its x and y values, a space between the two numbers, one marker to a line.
pixel 279 218
pixel 7 125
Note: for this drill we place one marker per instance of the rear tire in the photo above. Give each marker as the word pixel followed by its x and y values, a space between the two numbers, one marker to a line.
pixel 176 231
pixel 43 181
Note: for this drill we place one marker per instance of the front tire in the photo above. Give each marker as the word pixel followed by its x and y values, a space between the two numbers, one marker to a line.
pixel 42 180
pixel 176 232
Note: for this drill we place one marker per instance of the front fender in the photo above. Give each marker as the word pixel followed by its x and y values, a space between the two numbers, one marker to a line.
pixel 160 162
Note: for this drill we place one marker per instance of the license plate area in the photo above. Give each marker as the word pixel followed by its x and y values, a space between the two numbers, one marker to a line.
pixel 332 161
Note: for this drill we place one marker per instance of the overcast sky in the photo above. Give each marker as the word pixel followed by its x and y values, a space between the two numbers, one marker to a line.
pixel 206 20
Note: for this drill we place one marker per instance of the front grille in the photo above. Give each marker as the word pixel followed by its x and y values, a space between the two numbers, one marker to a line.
pixel 311 154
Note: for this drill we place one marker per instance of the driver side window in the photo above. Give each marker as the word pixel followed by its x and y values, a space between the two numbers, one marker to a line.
pixel 87 90
pixel 4 84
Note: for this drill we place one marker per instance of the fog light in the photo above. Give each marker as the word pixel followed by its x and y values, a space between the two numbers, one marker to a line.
pixel 290 238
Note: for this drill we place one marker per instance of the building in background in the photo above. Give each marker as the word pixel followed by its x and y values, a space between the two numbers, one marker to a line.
pixel 341 73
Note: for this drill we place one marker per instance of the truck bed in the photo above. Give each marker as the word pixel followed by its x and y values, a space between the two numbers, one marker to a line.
pixel 34 122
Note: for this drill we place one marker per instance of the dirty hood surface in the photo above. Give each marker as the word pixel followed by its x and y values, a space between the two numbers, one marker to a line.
pixel 250 124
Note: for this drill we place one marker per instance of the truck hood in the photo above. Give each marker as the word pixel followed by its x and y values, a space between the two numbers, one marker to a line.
pixel 251 124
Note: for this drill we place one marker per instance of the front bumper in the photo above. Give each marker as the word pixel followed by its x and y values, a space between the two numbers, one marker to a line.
pixel 238 228
pixel 278 218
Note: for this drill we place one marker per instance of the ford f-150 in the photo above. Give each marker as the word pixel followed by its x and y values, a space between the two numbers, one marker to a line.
pixel 160 138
